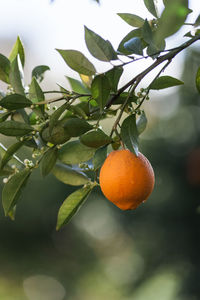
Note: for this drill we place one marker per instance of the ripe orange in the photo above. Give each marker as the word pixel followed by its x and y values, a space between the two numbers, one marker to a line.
pixel 126 179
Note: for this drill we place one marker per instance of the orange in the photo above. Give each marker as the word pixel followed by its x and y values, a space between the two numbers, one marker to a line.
pixel 126 179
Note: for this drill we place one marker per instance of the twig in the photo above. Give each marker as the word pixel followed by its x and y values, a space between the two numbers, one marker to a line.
pixel 149 87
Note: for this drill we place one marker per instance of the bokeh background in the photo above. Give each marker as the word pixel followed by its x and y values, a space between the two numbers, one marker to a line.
pixel 103 253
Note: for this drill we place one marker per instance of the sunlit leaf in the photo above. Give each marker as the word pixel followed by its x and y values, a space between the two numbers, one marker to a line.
pixel 87 80
pixel 77 86
pixel 17 49
pixel 164 82
pixel 77 61
pixel 16 77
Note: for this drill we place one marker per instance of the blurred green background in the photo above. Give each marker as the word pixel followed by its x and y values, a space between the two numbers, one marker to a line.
pixel 104 253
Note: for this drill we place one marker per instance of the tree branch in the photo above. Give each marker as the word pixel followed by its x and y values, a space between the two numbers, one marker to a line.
pixel 136 80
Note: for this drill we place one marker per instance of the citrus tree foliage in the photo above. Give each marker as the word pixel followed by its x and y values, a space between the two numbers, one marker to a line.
pixel 69 141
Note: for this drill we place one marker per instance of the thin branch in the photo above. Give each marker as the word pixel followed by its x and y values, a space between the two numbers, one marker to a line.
pixel 63 98
pixel 148 89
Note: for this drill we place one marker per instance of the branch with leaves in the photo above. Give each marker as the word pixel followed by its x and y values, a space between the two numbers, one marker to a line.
pixel 69 141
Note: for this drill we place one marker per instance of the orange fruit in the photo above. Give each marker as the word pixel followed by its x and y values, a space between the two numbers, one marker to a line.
pixel 126 179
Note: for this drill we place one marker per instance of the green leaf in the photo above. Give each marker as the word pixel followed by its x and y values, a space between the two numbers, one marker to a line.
pixel 131 19
pixel 15 101
pixel 56 115
pixel 69 176
pixel 35 92
pixel 71 205
pixel 129 133
pixel 57 136
pixel 134 45
pixel 141 123
pixel 48 161
pixel 75 152
pixel 122 98
pixel 36 95
pixel 77 86
pixel 16 77
pixel 147 33
pixel 164 82
pixel 4 116
pixel 13 161
pixel 151 6
pixel 38 72
pixel 134 33
pixel 172 18
pixel 95 138
pixel 100 90
pixel 113 76
pixel 12 189
pixel 17 49
pixel 99 157
pixel 76 127
pixel 13 128
pixel 98 47
pixel 9 153
pixel 155 48
pixel 77 111
pixel 198 80
pixel 77 61
pixel 4 68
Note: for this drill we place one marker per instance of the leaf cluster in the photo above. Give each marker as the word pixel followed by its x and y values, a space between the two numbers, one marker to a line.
pixel 68 141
